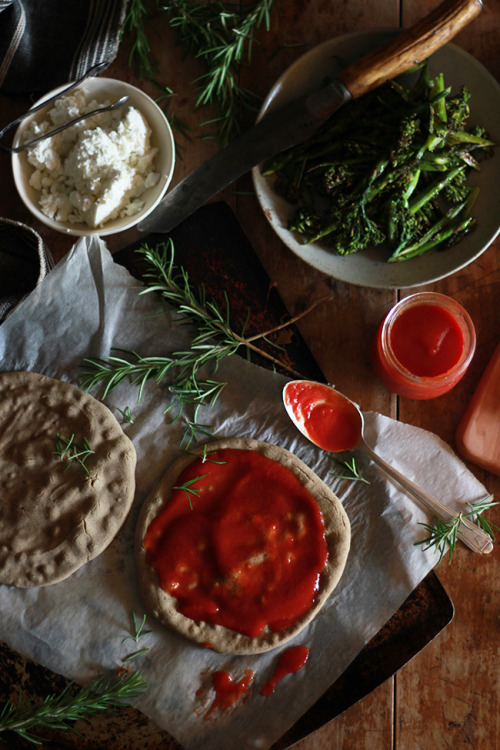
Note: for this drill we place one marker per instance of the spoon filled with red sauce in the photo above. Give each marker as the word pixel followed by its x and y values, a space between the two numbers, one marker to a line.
pixel 335 424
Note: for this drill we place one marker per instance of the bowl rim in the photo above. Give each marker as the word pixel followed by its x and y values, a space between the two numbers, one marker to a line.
pixel 95 85
pixel 374 269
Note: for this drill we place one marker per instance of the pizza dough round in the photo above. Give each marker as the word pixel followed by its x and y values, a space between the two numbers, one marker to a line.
pixel 163 606
pixel 54 516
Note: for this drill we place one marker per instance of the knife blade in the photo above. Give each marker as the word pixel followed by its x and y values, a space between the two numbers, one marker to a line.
pixel 295 121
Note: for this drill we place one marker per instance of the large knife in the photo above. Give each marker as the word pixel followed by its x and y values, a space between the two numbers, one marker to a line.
pixel 294 122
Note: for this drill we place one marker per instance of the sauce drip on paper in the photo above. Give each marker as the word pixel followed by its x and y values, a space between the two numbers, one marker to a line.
pixel 290 661
pixel 227 691
pixel 247 551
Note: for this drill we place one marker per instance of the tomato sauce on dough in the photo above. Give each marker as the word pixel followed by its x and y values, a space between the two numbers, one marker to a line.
pixel 246 550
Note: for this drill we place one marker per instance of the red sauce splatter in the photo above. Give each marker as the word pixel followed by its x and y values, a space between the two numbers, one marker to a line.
pixel 227 691
pixel 248 551
pixel 328 418
pixel 290 661
pixel 426 340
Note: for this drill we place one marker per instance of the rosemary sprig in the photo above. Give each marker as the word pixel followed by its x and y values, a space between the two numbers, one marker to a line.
pixel 221 36
pixel 188 488
pixel 350 470
pixel 139 631
pixel 127 416
pixel 70 451
pixel 214 340
pixel 443 534
pixel 60 711
pixel 206 457
pixel 141 55
pixel 194 430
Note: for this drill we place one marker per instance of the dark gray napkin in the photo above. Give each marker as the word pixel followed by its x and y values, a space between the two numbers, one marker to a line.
pixel 46 43
pixel 24 262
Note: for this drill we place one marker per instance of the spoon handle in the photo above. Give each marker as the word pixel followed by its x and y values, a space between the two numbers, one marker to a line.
pixel 470 535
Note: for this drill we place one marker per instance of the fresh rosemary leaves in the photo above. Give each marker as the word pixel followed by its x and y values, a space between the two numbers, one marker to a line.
pixel 348 469
pixel 126 415
pixel 60 711
pixel 139 632
pixel 443 534
pixel 186 370
pixel 221 36
pixel 73 452
pixel 189 489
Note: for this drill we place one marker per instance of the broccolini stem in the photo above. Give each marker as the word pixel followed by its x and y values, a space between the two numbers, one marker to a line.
pixel 455 221
pixel 433 189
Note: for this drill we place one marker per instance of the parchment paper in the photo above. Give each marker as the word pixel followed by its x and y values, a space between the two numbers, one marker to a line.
pixel 85 307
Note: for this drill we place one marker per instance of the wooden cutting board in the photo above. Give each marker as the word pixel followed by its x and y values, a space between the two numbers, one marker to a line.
pixel 478 433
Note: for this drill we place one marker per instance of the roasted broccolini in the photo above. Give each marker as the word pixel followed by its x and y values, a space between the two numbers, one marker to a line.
pixel 388 168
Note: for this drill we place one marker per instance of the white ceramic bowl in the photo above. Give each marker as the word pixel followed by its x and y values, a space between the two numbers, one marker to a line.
pixel 161 137
pixel 369 268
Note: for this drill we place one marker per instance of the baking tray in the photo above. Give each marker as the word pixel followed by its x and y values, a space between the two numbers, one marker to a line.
pixel 214 250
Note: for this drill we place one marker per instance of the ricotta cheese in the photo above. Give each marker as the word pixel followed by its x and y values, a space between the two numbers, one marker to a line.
pixel 96 170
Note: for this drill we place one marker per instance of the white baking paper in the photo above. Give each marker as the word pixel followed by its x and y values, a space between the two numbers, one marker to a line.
pixel 89 305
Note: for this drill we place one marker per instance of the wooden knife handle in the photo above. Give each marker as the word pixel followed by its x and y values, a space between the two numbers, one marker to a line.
pixel 410 47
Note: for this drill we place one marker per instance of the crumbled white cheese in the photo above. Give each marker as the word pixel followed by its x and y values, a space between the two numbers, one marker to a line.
pixel 96 170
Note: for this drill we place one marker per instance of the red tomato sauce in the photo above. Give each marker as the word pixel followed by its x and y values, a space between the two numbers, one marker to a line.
pixel 423 346
pixel 290 661
pixel 227 691
pixel 427 340
pixel 327 417
pixel 247 551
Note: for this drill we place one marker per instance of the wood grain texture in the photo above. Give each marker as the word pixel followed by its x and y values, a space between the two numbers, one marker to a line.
pixel 447 696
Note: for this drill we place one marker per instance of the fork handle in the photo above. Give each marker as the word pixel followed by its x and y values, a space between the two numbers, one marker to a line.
pixel 473 537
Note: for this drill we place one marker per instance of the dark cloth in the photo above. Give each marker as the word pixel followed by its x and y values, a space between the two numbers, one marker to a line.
pixel 24 262
pixel 47 43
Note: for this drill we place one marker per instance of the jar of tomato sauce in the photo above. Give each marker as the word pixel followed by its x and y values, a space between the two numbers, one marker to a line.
pixel 423 346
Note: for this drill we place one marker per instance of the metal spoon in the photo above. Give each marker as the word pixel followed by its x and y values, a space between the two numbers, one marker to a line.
pixel 468 533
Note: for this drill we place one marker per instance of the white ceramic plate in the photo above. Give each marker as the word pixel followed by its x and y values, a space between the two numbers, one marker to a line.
pixel 369 268
pixel 161 138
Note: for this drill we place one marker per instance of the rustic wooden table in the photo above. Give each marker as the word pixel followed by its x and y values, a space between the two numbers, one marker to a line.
pixel 448 695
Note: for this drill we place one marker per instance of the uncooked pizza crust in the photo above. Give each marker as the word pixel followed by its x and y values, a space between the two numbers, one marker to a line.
pixel 221 639
pixel 54 517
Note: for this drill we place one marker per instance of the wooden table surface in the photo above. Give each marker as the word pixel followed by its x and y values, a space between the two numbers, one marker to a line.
pixel 448 695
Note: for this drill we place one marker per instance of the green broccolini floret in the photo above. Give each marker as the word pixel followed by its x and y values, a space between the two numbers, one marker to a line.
pixel 458 109
pixel 458 189
pixel 390 167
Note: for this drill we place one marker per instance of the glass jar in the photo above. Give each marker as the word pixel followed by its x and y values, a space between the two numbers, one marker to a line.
pixel 423 346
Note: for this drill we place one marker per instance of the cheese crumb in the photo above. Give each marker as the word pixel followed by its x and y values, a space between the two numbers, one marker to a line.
pixel 96 170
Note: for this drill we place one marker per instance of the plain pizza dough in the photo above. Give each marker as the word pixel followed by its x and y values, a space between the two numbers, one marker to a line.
pixel 54 516
pixel 221 639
